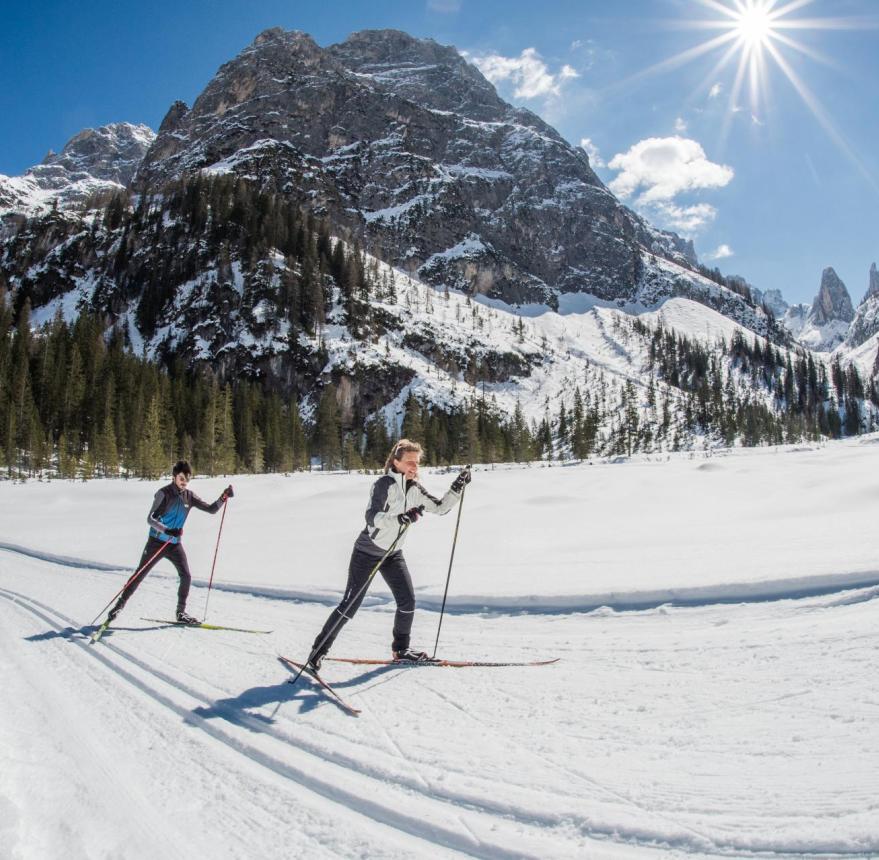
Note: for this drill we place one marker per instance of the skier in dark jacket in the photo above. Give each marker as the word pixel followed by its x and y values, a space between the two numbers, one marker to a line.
pixel 168 513
pixel 397 501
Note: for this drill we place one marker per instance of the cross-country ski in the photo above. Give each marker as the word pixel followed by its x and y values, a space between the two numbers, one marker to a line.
pixel 454 664
pixel 300 669
pixel 201 625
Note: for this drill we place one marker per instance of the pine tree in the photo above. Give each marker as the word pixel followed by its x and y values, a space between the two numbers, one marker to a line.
pixel 328 430
pixel 151 459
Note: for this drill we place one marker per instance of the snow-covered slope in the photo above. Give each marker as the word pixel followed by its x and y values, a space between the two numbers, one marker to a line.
pixel 722 728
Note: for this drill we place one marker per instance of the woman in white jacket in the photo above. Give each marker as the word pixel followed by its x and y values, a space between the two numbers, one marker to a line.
pixel 396 502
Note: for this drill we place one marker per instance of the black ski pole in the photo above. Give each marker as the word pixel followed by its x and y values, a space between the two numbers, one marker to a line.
pixel 216 550
pixel 449 575
pixel 363 588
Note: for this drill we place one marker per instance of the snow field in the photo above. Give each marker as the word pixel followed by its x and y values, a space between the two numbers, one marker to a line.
pixel 714 729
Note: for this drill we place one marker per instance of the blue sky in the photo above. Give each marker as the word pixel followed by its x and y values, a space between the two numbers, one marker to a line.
pixel 774 189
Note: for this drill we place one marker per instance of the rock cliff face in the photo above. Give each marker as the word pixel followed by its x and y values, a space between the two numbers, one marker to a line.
pixel 93 160
pixel 404 143
pixel 866 321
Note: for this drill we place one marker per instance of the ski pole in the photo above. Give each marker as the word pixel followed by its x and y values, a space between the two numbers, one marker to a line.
pixel 216 550
pixel 449 575
pixel 131 579
pixel 363 588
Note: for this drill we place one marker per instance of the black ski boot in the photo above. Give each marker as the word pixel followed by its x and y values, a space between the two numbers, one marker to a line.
pixel 183 618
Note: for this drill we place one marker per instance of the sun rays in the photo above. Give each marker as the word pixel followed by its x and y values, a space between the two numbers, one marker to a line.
pixel 754 39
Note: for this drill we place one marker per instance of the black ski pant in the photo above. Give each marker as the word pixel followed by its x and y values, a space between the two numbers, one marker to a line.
pixel 175 553
pixel 396 575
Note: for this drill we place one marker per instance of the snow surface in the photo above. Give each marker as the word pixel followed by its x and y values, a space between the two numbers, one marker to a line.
pixel 732 714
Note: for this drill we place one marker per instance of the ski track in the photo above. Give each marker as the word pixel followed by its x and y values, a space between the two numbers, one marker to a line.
pixel 466 818
pixel 635 601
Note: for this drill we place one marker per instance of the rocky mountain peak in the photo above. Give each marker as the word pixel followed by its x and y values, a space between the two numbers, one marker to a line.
pixel 423 71
pixel 873 285
pixel 93 160
pixel 833 302
pixel 111 153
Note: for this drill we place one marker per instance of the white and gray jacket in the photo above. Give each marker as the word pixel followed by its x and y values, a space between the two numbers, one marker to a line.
pixel 391 496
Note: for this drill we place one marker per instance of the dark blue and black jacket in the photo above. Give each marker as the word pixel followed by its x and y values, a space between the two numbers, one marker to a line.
pixel 170 508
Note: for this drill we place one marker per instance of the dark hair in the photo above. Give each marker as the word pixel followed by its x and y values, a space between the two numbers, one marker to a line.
pixel 182 466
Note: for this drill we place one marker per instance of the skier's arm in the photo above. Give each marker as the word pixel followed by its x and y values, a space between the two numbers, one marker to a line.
pixel 155 509
pixel 432 503
pixel 378 514
pixel 202 505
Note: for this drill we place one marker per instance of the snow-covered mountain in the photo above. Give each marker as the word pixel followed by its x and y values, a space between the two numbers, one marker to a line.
pixel 866 320
pixel 102 159
pixel 373 216
pixel 404 143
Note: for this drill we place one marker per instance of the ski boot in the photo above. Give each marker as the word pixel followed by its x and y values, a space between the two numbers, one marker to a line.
pixel 183 618
pixel 407 655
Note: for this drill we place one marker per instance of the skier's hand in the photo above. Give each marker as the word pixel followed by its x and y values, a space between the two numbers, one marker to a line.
pixel 173 532
pixel 464 478
pixel 411 516
pixel 228 493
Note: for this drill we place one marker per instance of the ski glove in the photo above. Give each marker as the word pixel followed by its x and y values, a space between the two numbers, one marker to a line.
pixel 411 516
pixel 228 493
pixel 173 532
pixel 464 478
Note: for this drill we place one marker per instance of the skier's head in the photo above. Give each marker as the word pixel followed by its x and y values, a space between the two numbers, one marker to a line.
pixel 404 458
pixel 182 473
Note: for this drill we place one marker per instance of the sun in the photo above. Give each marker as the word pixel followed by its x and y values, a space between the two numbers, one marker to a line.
pixel 753 26
pixel 753 39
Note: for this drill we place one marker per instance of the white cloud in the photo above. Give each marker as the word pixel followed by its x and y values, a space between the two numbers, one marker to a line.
pixel 719 253
pixel 666 167
pixel 661 169
pixel 683 219
pixel 444 6
pixel 715 91
pixel 595 158
pixel 680 125
pixel 528 72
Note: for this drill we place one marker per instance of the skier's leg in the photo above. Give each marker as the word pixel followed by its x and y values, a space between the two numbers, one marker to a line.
pixel 153 545
pixel 177 556
pixel 359 568
pixel 396 575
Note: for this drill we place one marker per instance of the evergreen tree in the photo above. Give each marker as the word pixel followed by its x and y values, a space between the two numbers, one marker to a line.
pixel 328 430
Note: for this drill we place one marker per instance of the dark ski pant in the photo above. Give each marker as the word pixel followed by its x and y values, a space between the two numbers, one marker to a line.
pixel 175 553
pixel 396 575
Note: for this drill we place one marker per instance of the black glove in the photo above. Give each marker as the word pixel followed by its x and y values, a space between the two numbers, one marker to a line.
pixel 228 493
pixel 173 532
pixel 411 516
pixel 464 478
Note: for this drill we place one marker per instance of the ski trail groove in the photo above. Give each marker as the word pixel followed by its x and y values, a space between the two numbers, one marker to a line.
pixel 357 802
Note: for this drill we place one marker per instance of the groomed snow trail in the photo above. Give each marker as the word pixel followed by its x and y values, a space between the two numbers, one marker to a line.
pixel 727 730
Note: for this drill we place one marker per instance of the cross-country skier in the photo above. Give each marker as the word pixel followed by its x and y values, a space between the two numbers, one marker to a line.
pixel 167 515
pixel 397 501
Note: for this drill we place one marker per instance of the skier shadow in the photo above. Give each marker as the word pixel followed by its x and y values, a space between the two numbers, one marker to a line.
pixel 240 709
pixel 83 632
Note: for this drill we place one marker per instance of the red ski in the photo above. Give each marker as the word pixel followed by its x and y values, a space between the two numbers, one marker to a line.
pixel 451 664
pixel 293 666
